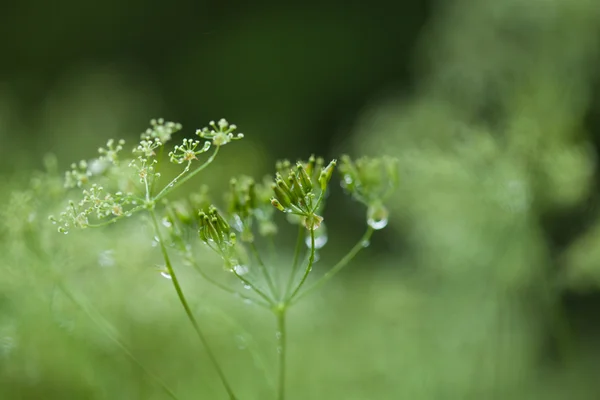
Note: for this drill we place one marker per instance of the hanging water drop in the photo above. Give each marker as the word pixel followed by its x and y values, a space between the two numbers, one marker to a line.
pixel 106 258
pixel 166 275
pixel 320 237
pixel 377 224
pixel 240 269
pixel 377 216
pixel 237 223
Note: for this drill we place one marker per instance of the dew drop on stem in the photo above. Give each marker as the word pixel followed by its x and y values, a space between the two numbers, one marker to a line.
pixel 320 237
pixel 240 269
pixel 166 275
pixel 377 216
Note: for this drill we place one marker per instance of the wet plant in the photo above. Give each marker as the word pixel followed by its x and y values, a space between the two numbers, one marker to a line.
pixel 242 229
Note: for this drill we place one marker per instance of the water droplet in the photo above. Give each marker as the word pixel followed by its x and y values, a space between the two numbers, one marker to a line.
pixel 377 223
pixel 247 287
pixel 278 335
pixel 377 216
pixel 348 180
pixel 279 349
pixel 237 223
pixel 240 269
pixel 365 243
pixel 170 185
pixel 106 258
pixel 155 241
pixel 320 237
pixel 166 275
pixel 166 223
pixel 247 301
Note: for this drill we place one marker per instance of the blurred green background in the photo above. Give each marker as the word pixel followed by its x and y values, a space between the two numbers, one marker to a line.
pixel 485 285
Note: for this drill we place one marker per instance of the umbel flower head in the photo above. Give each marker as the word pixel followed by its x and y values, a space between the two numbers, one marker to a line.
pixel 248 202
pixel 219 133
pixel 161 130
pixel 370 181
pixel 108 190
pixel 216 233
pixel 302 191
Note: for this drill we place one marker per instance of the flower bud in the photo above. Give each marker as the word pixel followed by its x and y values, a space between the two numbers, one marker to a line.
pixel 305 178
pixel 326 174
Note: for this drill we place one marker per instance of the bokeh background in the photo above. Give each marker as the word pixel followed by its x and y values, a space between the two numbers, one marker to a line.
pixel 485 285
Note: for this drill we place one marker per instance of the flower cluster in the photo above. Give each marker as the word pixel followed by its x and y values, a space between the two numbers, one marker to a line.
pixel 370 181
pixel 219 133
pixel 184 212
pixel 95 202
pixel 161 130
pixel 78 176
pixel 302 191
pixel 187 151
pixel 248 201
pixel 215 232
pixel 111 152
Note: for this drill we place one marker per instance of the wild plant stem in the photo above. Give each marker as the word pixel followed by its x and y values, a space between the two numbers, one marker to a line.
pixel 311 260
pixel 189 256
pixel 187 308
pixel 265 273
pixel 281 350
pixel 175 183
pixel 226 288
pixel 253 287
pixel 336 268
pixel 299 242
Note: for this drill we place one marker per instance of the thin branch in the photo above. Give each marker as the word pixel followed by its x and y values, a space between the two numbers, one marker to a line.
pixel 341 264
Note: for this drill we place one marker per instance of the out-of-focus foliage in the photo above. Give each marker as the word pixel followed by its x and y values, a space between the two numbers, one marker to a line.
pixel 493 151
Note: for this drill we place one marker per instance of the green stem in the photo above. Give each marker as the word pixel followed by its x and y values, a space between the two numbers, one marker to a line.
pixel 175 183
pixel 224 287
pixel 281 351
pixel 265 273
pixel 252 286
pixel 341 264
pixel 311 260
pixel 299 244
pixel 157 167
pixel 187 308
pixel 115 219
